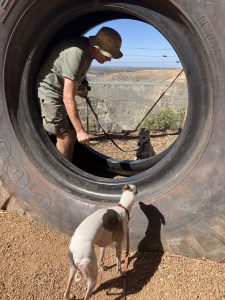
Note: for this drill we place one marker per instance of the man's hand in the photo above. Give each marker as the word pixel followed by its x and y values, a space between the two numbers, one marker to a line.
pixel 83 137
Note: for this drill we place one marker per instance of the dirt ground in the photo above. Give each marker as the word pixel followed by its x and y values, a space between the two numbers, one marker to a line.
pixel 129 143
pixel 34 264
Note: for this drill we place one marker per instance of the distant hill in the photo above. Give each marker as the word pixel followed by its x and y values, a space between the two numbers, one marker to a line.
pixel 134 75
pixel 104 70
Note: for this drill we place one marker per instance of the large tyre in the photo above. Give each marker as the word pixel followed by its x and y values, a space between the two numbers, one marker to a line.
pixel 186 188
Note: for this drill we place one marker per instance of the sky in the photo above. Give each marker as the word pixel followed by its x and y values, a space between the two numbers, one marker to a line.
pixel 142 46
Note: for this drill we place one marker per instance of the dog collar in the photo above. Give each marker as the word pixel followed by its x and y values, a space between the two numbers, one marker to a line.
pixel 126 210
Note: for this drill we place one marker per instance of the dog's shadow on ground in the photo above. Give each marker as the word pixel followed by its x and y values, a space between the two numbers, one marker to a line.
pixel 146 260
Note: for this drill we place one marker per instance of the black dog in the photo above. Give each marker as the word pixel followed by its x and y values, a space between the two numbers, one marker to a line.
pixel 145 149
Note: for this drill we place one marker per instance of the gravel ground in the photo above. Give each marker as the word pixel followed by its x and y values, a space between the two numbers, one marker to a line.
pixel 34 265
pixel 33 262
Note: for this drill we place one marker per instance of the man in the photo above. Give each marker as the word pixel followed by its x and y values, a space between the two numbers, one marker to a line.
pixel 59 80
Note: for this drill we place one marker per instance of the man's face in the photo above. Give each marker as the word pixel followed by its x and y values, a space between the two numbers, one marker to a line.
pixel 100 57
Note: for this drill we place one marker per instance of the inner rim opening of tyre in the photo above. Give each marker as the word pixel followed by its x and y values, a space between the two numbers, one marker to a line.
pixel 118 164
pixel 97 171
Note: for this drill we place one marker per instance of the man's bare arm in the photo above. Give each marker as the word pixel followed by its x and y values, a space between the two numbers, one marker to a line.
pixel 69 92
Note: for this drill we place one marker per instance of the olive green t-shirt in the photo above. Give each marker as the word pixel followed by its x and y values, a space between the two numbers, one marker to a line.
pixel 70 59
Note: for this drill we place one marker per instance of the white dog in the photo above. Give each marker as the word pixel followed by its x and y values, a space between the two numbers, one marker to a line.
pixel 101 228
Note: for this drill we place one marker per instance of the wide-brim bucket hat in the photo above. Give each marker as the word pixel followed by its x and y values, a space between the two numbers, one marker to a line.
pixel 108 41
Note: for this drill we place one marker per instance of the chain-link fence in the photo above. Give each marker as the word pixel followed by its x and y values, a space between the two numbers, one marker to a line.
pixel 122 100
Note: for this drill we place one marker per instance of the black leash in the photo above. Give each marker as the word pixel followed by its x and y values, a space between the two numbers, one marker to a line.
pixel 106 134
pixel 163 93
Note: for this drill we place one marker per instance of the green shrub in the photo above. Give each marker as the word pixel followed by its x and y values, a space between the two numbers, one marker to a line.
pixel 164 120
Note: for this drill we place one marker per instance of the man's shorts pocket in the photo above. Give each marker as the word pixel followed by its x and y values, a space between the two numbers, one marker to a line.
pixel 55 120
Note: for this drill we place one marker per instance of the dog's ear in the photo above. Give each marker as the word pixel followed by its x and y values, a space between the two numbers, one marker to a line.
pixel 112 221
pixel 126 187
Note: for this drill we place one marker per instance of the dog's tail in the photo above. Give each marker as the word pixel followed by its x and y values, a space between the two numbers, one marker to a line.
pixel 78 273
